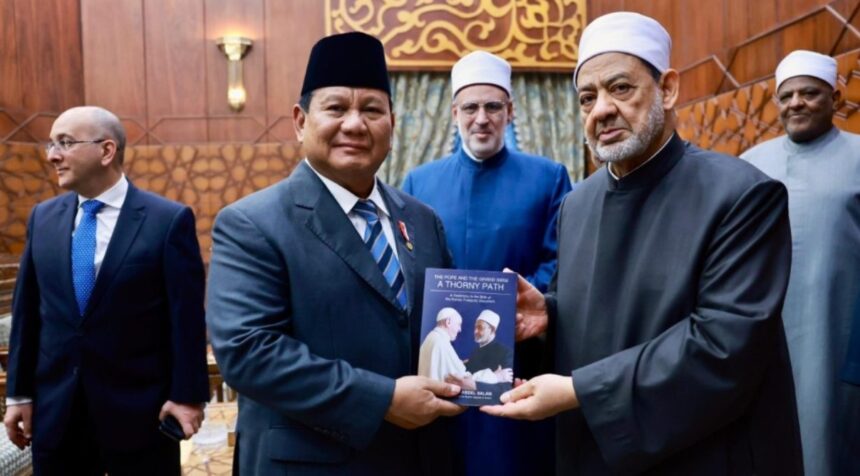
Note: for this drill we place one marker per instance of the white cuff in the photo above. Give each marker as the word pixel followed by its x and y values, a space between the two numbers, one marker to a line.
pixel 10 401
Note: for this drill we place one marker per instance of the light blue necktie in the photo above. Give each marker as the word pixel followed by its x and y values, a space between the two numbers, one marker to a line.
pixel 382 253
pixel 84 253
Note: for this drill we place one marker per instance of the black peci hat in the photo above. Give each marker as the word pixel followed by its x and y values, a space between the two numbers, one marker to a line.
pixel 353 59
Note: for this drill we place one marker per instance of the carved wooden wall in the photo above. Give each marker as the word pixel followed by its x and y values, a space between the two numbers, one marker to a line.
pixel 155 63
pixel 206 177
pixel 432 35
pixel 737 120
pixel 721 45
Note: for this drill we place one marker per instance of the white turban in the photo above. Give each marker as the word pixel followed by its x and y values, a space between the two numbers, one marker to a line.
pixel 490 318
pixel 807 63
pixel 447 313
pixel 625 32
pixel 480 67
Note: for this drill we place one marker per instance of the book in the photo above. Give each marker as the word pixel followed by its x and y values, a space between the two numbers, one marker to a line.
pixel 467 332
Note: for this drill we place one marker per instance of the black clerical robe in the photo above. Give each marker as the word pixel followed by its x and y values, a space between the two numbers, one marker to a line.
pixel 666 311
pixel 491 356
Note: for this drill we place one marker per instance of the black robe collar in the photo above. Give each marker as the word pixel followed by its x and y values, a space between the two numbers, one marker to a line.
pixel 652 171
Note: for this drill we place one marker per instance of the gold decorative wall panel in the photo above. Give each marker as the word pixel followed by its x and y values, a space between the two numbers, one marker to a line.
pixel 204 176
pixel 434 34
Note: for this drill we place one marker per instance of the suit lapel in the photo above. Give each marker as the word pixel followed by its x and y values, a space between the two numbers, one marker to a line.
pixel 331 225
pixel 131 216
pixel 59 231
pixel 401 227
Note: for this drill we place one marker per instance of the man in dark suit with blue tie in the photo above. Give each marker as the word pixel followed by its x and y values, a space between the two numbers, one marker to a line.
pixel 108 330
pixel 315 293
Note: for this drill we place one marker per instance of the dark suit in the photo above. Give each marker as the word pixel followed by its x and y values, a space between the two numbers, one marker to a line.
pixel 140 342
pixel 307 330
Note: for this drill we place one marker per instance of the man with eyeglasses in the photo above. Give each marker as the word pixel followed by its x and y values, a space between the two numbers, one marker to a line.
pixel 820 166
pixel 108 331
pixel 499 208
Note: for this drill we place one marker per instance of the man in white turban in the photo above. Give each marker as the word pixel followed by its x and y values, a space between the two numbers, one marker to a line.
pixel 499 207
pixel 492 361
pixel 820 166
pixel 664 318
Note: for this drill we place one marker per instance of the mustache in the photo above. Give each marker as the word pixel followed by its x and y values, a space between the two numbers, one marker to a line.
pixel 614 124
pixel 477 129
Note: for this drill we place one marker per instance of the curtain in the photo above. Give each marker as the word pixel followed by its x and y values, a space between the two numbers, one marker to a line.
pixel 546 121
pixel 423 128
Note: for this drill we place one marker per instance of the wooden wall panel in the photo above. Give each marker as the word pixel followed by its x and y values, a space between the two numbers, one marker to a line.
pixel 113 54
pixel 176 69
pixel 760 16
pixel 759 58
pixel 787 10
pixel 40 65
pixel 736 26
pixel 699 29
pixel 49 54
pixel 846 8
pixel 246 19
pixel 10 80
pixel 292 28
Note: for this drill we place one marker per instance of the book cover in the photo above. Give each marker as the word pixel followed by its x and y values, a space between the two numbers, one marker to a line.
pixel 467 332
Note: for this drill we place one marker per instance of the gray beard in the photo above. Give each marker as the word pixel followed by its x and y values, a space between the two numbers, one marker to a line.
pixel 638 143
pixel 485 341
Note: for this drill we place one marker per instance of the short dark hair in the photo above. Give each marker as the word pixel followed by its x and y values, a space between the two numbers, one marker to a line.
pixel 305 100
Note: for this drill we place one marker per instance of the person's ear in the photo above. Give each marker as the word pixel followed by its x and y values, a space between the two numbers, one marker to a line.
pixel 299 118
pixel 108 148
pixel 670 83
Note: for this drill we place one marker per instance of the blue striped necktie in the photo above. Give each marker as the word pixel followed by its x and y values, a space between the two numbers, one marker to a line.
pixel 382 253
pixel 84 253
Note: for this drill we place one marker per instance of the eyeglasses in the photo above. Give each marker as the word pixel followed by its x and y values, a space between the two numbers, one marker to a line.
pixel 66 145
pixel 492 108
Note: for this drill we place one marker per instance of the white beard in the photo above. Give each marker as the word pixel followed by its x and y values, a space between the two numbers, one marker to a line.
pixel 638 143
pixel 485 340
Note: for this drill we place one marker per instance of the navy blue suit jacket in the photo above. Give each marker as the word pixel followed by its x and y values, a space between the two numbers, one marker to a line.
pixel 142 338
pixel 308 331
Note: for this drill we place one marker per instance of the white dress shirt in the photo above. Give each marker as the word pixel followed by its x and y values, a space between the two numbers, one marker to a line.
pixel 347 201
pixel 113 198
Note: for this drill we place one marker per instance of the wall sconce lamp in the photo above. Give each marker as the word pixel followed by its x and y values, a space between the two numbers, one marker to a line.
pixel 234 48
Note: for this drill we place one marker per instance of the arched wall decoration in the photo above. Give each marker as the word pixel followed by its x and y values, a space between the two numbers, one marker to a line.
pixel 533 35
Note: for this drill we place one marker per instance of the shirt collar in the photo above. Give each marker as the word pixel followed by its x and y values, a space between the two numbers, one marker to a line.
pixel 346 199
pixel 609 164
pixel 112 197
pixel 823 139
pixel 468 160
